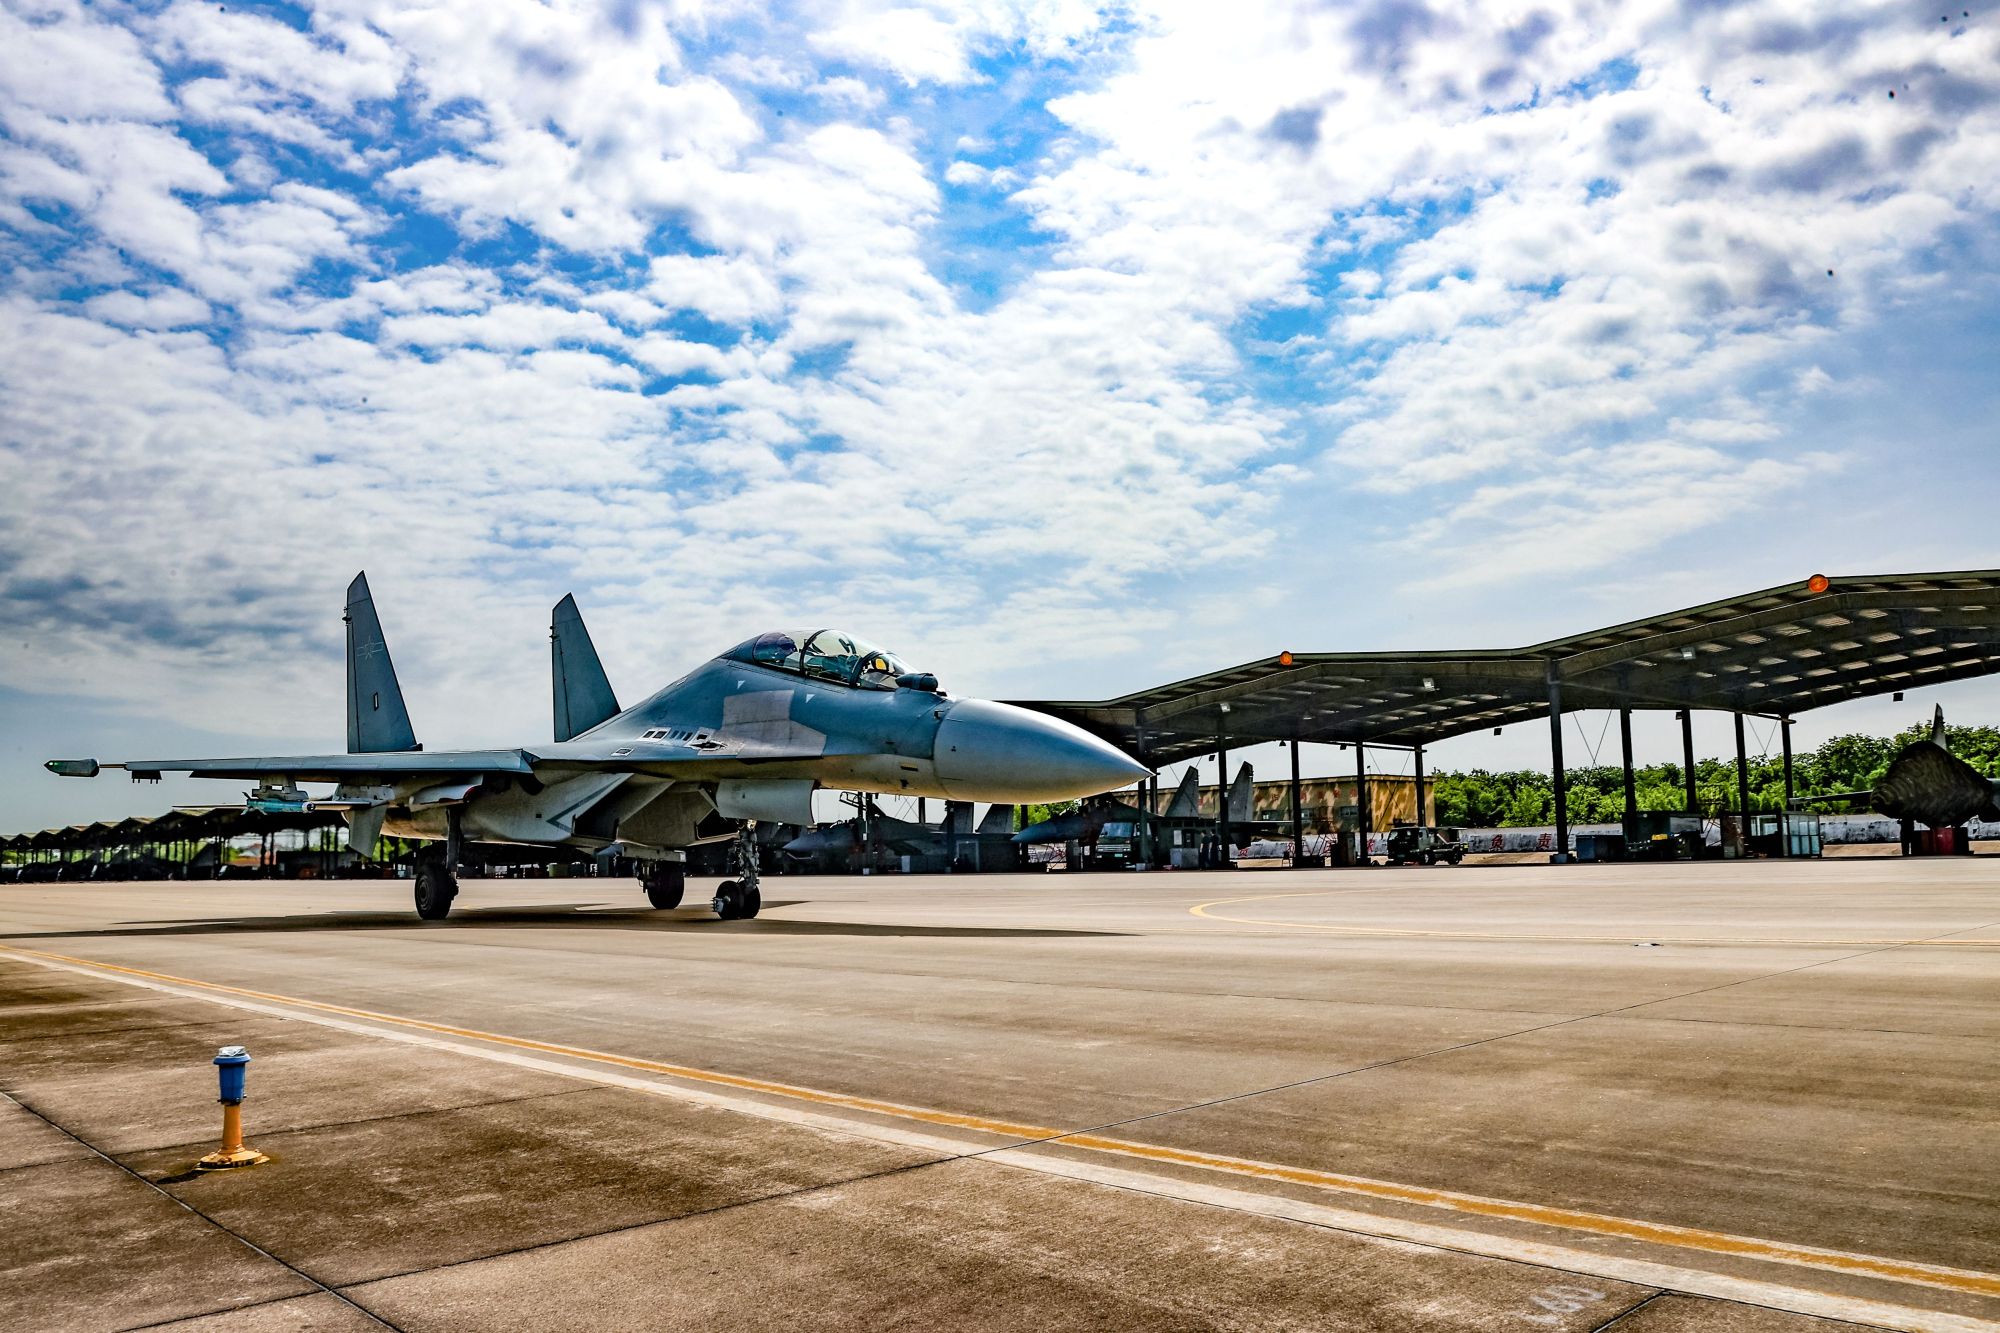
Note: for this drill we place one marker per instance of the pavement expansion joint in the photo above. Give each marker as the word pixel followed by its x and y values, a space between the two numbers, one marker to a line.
pixel 1202 909
pixel 187 1207
pixel 733 1205
pixel 1140 1163
pixel 416 1113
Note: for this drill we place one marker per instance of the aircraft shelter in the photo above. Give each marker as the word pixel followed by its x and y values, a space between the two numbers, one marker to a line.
pixel 1773 653
pixel 179 838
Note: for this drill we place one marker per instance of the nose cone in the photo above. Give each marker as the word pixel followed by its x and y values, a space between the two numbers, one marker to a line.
pixel 997 752
pixel 816 841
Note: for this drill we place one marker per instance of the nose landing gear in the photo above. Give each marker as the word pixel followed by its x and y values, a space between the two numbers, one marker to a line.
pixel 739 900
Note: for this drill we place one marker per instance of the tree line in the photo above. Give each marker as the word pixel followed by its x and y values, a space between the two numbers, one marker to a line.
pixel 1596 795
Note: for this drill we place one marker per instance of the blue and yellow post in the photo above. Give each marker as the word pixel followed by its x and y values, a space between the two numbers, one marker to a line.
pixel 231 1064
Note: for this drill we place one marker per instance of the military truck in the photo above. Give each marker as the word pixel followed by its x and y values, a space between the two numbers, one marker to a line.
pixel 1419 845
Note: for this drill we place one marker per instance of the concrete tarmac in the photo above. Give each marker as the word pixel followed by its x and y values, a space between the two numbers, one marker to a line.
pixel 1734 1096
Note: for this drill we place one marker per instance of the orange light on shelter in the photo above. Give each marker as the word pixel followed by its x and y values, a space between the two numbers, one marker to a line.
pixel 1285 658
pixel 1818 583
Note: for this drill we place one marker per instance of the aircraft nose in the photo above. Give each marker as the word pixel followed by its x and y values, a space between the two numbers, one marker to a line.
pixel 997 752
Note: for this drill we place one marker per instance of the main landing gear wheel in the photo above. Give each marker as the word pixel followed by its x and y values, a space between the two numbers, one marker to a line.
pixel 436 887
pixel 664 882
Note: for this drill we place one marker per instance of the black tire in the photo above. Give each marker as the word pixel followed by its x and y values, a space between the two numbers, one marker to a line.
pixel 1427 859
pixel 753 903
pixel 728 900
pixel 434 891
pixel 665 885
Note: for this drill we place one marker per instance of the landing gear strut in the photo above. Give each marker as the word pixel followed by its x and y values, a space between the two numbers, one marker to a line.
pixel 739 900
pixel 437 875
pixel 664 882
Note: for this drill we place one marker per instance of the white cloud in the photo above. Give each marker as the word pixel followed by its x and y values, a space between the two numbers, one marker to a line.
pixel 1276 292
pixel 168 309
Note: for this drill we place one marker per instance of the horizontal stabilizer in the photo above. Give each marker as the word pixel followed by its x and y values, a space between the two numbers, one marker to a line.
pixel 583 695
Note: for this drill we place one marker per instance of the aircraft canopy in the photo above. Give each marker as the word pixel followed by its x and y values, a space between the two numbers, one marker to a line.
pixel 824 654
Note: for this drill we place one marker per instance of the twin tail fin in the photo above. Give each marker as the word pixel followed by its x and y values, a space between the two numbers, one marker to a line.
pixel 583 695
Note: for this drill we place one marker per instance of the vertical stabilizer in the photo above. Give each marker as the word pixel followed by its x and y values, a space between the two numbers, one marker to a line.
pixel 376 717
pixel 583 694
pixel 999 820
pixel 1240 793
pixel 1187 797
pixel 1937 728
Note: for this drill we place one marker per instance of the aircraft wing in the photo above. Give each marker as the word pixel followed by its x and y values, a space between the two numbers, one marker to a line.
pixel 316 767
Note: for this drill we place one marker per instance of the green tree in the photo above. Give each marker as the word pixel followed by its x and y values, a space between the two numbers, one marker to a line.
pixel 1481 798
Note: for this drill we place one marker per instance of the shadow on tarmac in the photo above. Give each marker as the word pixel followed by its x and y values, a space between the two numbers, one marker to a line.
pixel 563 915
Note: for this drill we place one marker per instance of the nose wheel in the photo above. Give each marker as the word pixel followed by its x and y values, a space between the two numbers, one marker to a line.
pixel 739 899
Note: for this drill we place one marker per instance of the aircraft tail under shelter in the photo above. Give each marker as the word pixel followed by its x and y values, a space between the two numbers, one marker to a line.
pixel 583 694
pixel 377 720
pixel 1241 796
pixel 1186 803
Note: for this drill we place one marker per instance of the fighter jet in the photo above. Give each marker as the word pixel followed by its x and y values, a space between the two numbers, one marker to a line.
pixel 843 845
pixel 1086 823
pixel 1104 814
pixel 846 839
pixel 1927 783
pixel 747 736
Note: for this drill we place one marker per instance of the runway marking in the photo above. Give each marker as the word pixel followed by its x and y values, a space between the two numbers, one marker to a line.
pixel 1958 1280
pixel 1390 932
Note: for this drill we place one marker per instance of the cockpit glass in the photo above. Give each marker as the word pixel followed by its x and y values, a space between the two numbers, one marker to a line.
pixel 771 649
pixel 824 654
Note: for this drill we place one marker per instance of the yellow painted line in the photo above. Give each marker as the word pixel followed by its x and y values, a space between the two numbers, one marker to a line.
pixel 1966 1281
pixel 1205 910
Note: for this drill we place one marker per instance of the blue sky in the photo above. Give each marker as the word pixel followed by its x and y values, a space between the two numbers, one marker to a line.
pixel 1066 348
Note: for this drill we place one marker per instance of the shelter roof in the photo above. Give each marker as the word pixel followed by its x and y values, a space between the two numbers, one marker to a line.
pixel 1776 652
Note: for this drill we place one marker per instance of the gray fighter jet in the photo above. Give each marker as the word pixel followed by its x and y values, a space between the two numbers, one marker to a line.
pixel 747 736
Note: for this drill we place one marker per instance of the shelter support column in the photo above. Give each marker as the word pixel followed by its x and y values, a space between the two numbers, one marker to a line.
pixel 1558 778
pixel 1222 795
pixel 1149 835
pixel 1784 830
pixel 1687 759
pixel 1742 777
pixel 1631 786
pixel 1361 802
pixel 1298 819
pixel 1418 753
pixel 1785 730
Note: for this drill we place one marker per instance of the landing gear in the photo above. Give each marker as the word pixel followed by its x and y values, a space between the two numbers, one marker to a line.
pixel 436 887
pixel 739 900
pixel 437 875
pixel 664 882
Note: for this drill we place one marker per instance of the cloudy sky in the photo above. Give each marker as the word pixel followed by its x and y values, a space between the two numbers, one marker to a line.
pixel 1065 349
